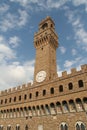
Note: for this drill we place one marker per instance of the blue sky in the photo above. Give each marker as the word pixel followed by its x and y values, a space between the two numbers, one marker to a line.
pixel 19 21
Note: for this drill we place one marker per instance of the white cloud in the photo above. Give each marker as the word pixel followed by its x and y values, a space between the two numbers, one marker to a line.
pixel 10 21
pixel 74 62
pixel 68 63
pixel 14 41
pixel 14 74
pixel 80 34
pixel 56 3
pixel 80 2
pixel 23 17
pixel 49 4
pixel 62 49
pixel 6 53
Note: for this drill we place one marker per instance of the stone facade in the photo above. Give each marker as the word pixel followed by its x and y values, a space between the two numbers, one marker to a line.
pixel 53 102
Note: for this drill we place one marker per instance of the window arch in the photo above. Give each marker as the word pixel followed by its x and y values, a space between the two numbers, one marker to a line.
pixel 37 93
pixel 85 102
pixel 63 126
pixel 65 106
pixel 45 25
pixel 10 99
pixel 26 127
pixel 20 98
pixel 52 108
pixel 9 127
pixel 52 90
pixel 79 104
pixel 44 92
pixel 72 106
pixel 14 99
pixel 17 127
pixel 1 101
pixel 61 88
pixel 5 101
pixel 30 95
pixel 47 109
pixel 80 83
pixel 59 107
pixel 80 126
pixel 1 127
pixel 70 86
pixel 25 97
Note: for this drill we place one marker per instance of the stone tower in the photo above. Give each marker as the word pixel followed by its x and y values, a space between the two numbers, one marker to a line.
pixel 45 42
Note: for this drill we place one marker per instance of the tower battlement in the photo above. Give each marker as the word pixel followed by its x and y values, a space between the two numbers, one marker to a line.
pixel 15 89
pixel 74 71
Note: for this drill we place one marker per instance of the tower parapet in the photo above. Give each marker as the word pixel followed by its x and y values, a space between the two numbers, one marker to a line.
pixel 74 71
pixel 15 89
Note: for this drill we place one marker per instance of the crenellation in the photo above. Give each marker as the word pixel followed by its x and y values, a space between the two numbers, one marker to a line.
pixel 13 89
pixel 24 86
pixel 64 73
pixel 29 84
pixel 84 68
pixel 9 90
pixel 73 70
pixel 18 88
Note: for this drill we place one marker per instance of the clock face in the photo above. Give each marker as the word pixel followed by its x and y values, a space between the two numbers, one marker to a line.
pixel 40 76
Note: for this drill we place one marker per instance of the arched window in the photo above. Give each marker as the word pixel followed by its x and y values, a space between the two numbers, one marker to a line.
pixel 33 110
pixel 70 86
pixel 44 92
pixel 79 104
pixel 85 102
pixel 52 90
pixel 61 88
pixel 17 127
pixel 47 109
pixel 80 83
pixel 25 97
pixel 80 126
pixel 14 99
pixel 59 107
pixel 20 98
pixel 72 106
pixel 52 108
pixel 30 95
pixel 65 106
pixel 37 93
pixel 10 99
pixel 5 101
pixel 26 127
pixel 1 127
pixel 9 127
pixel 45 25
pixel 77 127
pixel 1 101
pixel 63 126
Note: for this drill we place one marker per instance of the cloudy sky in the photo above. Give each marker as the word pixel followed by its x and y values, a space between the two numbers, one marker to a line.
pixel 19 21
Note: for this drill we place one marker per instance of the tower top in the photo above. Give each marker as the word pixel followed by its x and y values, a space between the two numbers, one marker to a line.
pixel 46 32
pixel 46 23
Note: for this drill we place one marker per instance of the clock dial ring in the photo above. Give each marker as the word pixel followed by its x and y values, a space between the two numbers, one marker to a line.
pixel 41 75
